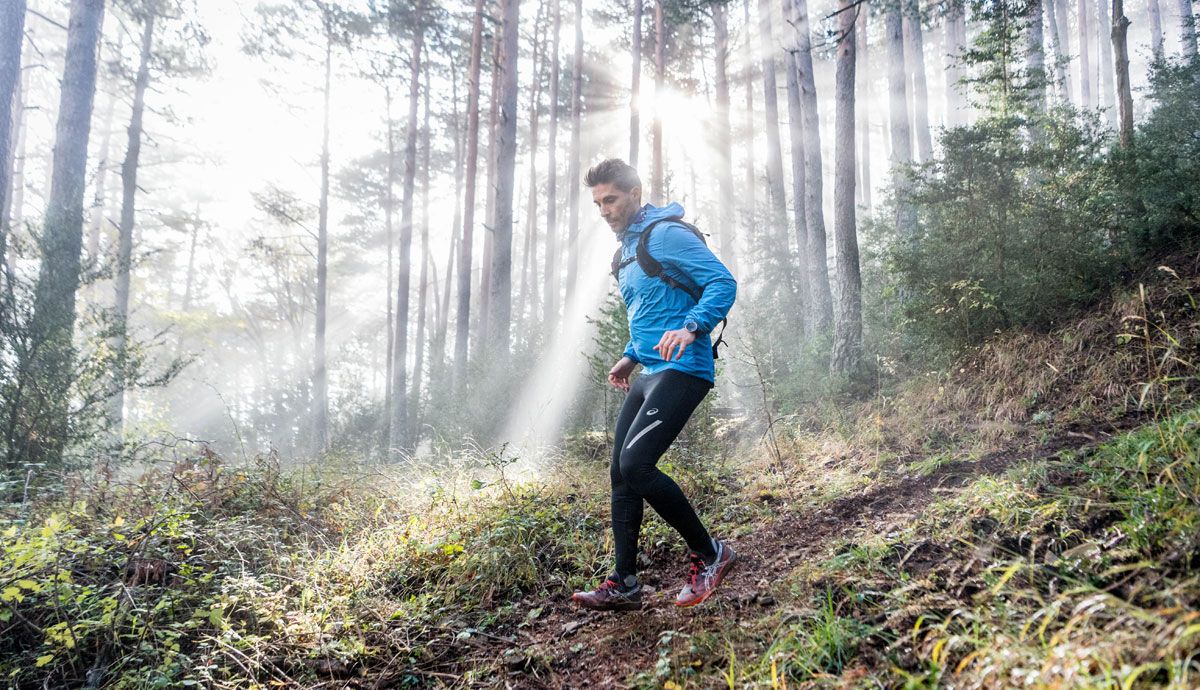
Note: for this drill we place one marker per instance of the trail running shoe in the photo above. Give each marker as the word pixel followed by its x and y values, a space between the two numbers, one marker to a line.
pixel 704 578
pixel 611 595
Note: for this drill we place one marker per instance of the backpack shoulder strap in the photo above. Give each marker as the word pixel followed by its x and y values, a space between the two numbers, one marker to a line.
pixel 654 268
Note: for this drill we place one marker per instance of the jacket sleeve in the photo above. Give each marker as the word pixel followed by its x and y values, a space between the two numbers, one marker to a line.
pixel 679 249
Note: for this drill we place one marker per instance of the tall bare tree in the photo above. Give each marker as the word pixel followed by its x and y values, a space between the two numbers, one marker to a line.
pixel 12 29
pixel 398 428
pixel 847 339
pixel 1085 65
pixel 956 43
pixel 50 362
pixel 658 175
pixel 751 195
pixel 1120 29
pixel 914 55
pixel 1035 59
pixel 1156 32
pixel 898 109
pixel 777 197
pixel 724 132
pixel 550 287
pixel 575 159
pixel 1108 97
pixel 635 115
pixel 863 113
pixel 418 377
pixel 506 161
pixel 1057 44
pixel 129 186
pixel 462 332
pixel 816 269
pixel 1187 29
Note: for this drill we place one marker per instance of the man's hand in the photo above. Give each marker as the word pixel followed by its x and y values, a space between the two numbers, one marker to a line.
pixel 618 376
pixel 674 343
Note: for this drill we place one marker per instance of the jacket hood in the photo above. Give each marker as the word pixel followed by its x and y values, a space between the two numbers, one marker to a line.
pixel 650 213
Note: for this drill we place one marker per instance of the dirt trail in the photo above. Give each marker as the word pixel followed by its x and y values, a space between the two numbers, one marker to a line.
pixel 567 648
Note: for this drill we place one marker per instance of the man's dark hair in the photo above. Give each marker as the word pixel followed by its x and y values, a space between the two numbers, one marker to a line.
pixel 615 171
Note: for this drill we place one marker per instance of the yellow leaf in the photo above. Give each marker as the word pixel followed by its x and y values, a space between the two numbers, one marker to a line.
pixel 118 521
pixel 43 660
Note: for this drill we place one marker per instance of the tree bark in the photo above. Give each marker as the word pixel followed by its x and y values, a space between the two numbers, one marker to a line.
pixel 529 255
pixel 956 43
pixel 1061 81
pixel 12 30
pixel 1187 29
pixel 506 161
pixel 751 174
pixel 1064 41
pixel 1156 32
pixel 1035 60
pixel 901 145
pixel 635 126
pixel 418 378
pixel 1108 98
pixel 398 439
pixel 847 341
pixel 914 53
pixel 320 372
pixel 1120 29
pixel 775 178
pixel 817 268
pixel 389 230
pixel 129 173
pixel 573 166
pixel 462 334
pixel 863 95
pixel 799 158
pixel 51 361
pixel 657 180
pixel 550 288
pixel 489 227
pixel 724 133
pixel 1085 68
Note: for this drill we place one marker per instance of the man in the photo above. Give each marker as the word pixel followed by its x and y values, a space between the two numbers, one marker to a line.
pixel 669 330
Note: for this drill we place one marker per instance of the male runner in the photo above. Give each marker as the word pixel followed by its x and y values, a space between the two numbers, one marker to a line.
pixel 669 332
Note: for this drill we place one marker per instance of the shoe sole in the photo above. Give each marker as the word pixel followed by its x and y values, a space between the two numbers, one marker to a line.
pixel 720 578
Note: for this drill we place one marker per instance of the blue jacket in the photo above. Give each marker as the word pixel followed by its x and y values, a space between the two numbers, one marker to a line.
pixel 655 307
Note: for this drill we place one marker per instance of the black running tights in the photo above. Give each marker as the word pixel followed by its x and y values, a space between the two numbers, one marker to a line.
pixel 655 410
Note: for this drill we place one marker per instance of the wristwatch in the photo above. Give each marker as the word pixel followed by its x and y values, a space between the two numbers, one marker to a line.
pixel 692 327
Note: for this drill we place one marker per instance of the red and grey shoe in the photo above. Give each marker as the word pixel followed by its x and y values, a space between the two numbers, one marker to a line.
pixel 611 595
pixel 703 578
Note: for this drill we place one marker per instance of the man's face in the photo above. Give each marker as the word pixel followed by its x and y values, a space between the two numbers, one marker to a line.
pixel 616 207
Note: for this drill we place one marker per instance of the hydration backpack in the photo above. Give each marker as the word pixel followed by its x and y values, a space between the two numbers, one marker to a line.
pixel 653 268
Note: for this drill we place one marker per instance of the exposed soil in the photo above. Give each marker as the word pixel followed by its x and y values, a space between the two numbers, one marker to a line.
pixel 568 648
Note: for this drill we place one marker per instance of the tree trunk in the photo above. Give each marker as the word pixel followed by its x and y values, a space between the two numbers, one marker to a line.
pixel 657 181
pixel 635 126
pixel 51 361
pixel 1156 32
pixel 817 268
pixel 501 321
pixel 796 138
pixel 1060 54
pixel 956 43
pixel 775 178
pixel 1035 61
pixel 398 440
pixel 575 157
pixel 462 332
pixel 320 372
pixel 12 30
pixel 751 174
pixel 725 205
pixel 1061 9
pixel 390 230
pixel 863 95
pixel 1108 98
pixel 550 288
pixel 1187 30
pixel 489 226
pixel 901 145
pixel 914 53
pixel 1120 28
pixel 14 211
pixel 1085 65
pixel 847 342
pixel 414 407
pixel 529 256
pixel 129 172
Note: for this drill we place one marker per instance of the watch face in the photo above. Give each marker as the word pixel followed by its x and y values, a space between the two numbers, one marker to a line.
pixel 691 326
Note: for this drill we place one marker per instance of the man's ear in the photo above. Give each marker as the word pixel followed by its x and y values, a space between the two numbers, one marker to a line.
pixel 637 195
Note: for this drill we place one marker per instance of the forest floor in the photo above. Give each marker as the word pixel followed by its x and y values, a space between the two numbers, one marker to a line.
pixel 573 649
